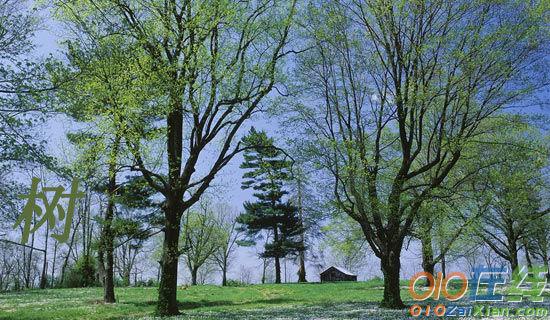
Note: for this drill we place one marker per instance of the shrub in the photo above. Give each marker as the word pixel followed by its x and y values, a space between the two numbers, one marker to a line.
pixel 81 274
pixel 236 283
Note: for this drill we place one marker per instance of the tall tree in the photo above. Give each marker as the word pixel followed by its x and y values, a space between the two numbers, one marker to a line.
pixel 99 87
pixel 514 188
pixel 267 172
pixel 395 91
pixel 213 62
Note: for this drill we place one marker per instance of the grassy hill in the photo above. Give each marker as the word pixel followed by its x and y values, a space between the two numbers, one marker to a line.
pixel 270 301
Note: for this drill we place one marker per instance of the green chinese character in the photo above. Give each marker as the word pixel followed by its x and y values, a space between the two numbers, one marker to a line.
pixel 32 208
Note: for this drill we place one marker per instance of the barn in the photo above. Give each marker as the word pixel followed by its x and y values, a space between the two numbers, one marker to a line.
pixel 334 273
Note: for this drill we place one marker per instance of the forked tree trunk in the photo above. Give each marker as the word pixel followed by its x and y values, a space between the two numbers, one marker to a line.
pixel 167 304
pixel 391 266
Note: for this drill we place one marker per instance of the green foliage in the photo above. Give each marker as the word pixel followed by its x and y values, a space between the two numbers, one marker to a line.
pixel 81 274
pixel 236 283
pixel 24 88
pixel 345 241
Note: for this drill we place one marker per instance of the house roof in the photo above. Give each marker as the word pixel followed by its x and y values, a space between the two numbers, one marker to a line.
pixel 344 271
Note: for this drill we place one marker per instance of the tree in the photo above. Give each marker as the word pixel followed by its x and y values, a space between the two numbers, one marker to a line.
pixel 540 242
pixel 394 92
pixel 212 63
pixel 228 235
pixel 97 96
pixel 268 171
pixel 514 187
pixel 24 87
pixel 200 238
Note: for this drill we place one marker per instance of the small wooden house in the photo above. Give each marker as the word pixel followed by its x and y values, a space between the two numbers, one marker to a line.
pixel 333 273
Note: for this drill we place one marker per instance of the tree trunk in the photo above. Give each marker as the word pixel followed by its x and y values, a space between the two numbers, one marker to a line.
pixel 29 264
pixel 101 266
pixel 302 268
pixel 52 283
pixel 391 265
pixel 224 275
pixel 513 259
pixel 546 265
pixel 194 272
pixel 108 247
pixel 301 257
pixel 43 277
pixel 167 304
pixel 527 255
pixel 277 259
pixel 428 264
pixel 277 270
pixel 264 269
pixel 126 277
pixel 443 265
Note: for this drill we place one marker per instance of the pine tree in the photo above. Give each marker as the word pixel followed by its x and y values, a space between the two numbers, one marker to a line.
pixel 268 171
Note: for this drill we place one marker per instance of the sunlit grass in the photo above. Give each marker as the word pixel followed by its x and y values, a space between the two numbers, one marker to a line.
pixel 312 300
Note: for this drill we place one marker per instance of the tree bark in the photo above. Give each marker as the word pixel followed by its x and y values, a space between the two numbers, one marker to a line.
pixel 277 270
pixel 277 259
pixel 443 266
pixel 108 235
pixel 391 265
pixel 101 266
pixel 167 304
pixel 52 283
pixel 224 275
pixel 302 268
pixel 194 272
pixel 513 258
pixel 527 255
pixel 43 277
pixel 428 264
pixel 126 277
pixel 264 269
pixel 301 257
pixel 546 265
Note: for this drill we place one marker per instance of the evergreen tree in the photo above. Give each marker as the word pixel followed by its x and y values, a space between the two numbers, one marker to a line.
pixel 268 171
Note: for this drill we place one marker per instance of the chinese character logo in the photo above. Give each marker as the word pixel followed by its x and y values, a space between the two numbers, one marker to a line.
pixel 32 209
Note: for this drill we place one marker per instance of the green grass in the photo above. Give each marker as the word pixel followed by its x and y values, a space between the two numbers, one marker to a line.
pixel 305 301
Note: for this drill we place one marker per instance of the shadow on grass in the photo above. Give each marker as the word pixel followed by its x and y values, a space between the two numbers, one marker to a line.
pixel 190 305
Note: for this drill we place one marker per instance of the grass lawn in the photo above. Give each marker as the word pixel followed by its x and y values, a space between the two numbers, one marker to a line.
pixel 296 301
